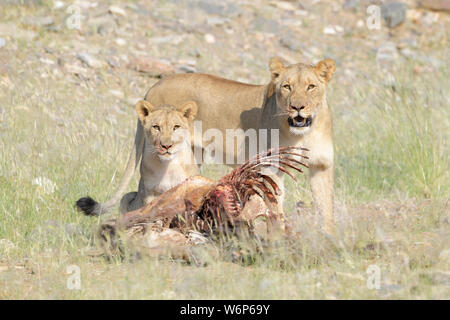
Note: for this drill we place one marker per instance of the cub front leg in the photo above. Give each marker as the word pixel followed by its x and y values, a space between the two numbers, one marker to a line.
pixel 322 188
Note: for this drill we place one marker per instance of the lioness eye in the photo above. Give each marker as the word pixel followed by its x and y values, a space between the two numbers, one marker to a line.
pixel 176 127
pixel 287 87
pixel 156 127
pixel 311 86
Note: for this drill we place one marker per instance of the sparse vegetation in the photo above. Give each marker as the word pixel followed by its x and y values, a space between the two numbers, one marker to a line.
pixel 74 129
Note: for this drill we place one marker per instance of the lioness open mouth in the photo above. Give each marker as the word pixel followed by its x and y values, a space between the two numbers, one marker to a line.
pixel 299 122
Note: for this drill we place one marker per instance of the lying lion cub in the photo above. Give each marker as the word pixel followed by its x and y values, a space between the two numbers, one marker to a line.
pixel 167 156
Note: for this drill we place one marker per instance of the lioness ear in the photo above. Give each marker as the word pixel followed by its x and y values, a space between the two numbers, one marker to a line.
pixel 276 67
pixel 189 110
pixel 325 69
pixel 143 108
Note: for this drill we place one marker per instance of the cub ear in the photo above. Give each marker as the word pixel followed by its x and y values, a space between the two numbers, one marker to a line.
pixel 189 110
pixel 143 108
pixel 325 69
pixel 276 67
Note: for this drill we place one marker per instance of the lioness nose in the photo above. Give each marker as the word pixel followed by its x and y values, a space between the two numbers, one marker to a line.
pixel 298 108
pixel 167 146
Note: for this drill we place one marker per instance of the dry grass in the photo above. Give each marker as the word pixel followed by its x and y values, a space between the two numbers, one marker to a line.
pixel 392 187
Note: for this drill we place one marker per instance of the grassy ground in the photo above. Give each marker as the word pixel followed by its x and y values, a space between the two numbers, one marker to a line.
pixel 392 191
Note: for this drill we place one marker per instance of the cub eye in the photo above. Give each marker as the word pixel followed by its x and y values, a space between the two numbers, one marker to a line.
pixel 311 86
pixel 287 86
pixel 156 127
pixel 175 127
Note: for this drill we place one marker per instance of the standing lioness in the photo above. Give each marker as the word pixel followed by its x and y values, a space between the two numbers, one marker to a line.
pixel 294 102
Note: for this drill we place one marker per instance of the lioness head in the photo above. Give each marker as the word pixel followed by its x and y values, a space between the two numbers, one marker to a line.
pixel 166 127
pixel 300 90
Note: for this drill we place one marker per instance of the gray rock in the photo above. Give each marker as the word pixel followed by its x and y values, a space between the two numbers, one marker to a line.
pixel 2 42
pixel 217 21
pixel 437 5
pixel 409 53
pixel 103 25
pixel 394 13
pixel 90 60
pixel 219 7
pixel 265 25
pixel 387 52
pixel 187 69
pixel 40 21
pixel 172 39
pixel 388 289
pixel 350 4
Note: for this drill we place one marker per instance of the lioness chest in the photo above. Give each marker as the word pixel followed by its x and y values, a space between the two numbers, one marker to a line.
pixel 164 179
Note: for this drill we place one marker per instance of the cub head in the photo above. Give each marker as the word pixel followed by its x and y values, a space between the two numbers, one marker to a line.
pixel 300 90
pixel 167 127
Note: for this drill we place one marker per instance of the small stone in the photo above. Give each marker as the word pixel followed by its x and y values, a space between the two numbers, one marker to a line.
pixel 150 66
pixel 87 4
pixel 47 61
pixel 387 52
pixel 116 93
pixel 2 42
pixel 103 25
pixel 217 21
pixel 58 5
pixel 394 13
pixel 187 69
pixel 350 4
pixel 172 39
pixel 408 53
pixel 265 25
pixel 219 7
pixel 437 5
pixel 120 42
pixel 40 21
pixel 389 289
pixel 284 5
pixel 90 60
pixel 303 13
pixel 329 30
pixel 74 69
pixel 209 38
pixel 118 11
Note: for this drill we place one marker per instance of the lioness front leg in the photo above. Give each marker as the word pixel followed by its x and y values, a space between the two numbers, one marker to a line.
pixel 129 202
pixel 322 187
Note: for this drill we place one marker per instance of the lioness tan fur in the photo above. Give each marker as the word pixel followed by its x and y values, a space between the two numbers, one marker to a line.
pixel 167 155
pixel 294 101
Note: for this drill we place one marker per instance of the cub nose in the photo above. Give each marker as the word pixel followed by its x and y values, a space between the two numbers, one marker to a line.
pixel 167 146
pixel 297 108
